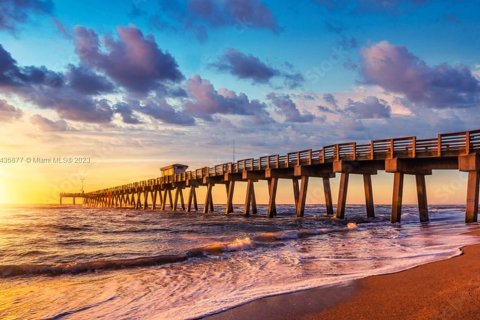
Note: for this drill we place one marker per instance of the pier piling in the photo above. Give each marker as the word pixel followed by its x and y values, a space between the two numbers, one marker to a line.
pixel 230 185
pixel 367 184
pixel 272 192
pixel 422 197
pixel 328 195
pixel 396 215
pixel 342 196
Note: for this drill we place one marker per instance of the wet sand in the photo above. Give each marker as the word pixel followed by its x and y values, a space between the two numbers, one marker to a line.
pixel 447 289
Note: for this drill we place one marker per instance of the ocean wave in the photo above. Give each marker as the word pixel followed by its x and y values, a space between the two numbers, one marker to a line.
pixel 352 225
pixel 71 228
pixel 296 234
pixel 32 253
pixel 135 230
pixel 7 271
pixel 218 247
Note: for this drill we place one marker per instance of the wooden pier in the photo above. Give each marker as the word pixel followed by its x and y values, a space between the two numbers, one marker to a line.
pixel 74 196
pixel 399 156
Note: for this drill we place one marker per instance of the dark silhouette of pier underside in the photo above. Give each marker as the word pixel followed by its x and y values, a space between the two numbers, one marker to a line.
pixel 399 156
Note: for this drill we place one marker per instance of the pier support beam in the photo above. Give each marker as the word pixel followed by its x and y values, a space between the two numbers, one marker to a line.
pixel 300 204
pixel 192 198
pixel 422 197
pixel 145 199
pixel 166 193
pixel 182 201
pixel 471 163
pixel 170 201
pixel 139 200
pixel 272 191
pixel 154 199
pixel 400 167
pixel 328 195
pixel 367 183
pixel 230 189
pixel 296 190
pixel 346 168
pixel 160 197
pixel 250 200
pixel 178 195
pixel 342 196
pixel 175 199
pixel 396 215
pixel 208 207
pixel 164 201
pixel 471 214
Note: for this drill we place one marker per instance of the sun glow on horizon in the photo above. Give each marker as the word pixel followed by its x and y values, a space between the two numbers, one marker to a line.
pixel 3 194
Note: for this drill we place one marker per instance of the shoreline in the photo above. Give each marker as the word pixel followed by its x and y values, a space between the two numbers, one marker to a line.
pixel 444 289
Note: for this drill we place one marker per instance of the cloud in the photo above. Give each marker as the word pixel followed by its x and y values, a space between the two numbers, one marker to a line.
pixel 331 100
pixel 331 105
pixel 14 77
pixel 14 12
pixel 134 61
pixel 77 94
pixel 66 94
pixel 71 105
pixel 207 101
pixel 155 107
pixel 370 6
pixel 247 66
pixel 85 81
pixel 61 28
pixel 8 68
pixel 476 71
pixel 369 108
pixel 251 13
pixel 46 124
pixel 289 109
pixel 347 43
pixel 197 16
pixel 126 113
pixel 159 109
pixel 395 69
pixel 8 112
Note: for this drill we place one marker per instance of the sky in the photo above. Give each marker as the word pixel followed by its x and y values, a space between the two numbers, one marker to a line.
pixel 133 85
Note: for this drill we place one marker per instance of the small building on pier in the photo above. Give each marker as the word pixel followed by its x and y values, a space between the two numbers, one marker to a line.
pixel 173 169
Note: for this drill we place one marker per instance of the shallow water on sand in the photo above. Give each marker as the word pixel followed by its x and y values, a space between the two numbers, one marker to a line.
pixel 80 263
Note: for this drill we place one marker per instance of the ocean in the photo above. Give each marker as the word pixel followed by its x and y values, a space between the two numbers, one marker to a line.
pixel 86 263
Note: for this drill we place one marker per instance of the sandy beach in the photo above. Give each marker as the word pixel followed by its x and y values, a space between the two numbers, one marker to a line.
pixel 447 289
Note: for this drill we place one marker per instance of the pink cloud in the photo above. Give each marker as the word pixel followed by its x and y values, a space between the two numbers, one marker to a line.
pixel 396 69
